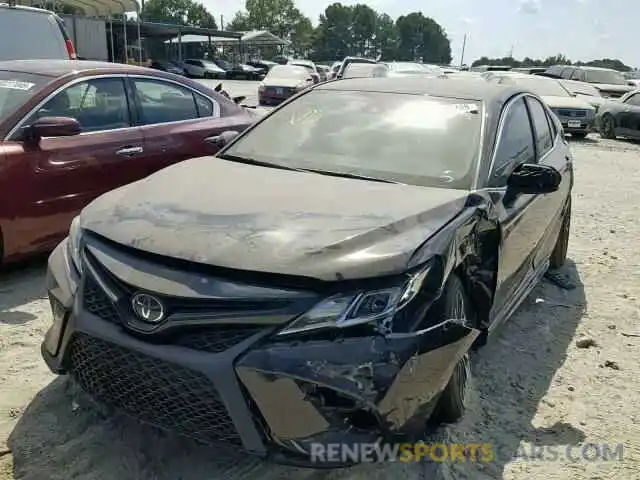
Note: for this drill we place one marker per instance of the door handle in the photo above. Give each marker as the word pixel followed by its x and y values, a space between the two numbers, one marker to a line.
pixel 129 151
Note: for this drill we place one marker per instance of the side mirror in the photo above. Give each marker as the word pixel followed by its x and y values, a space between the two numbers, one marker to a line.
pixel 223 139
pixel 533 178
pixel 239 99
pixel 53 127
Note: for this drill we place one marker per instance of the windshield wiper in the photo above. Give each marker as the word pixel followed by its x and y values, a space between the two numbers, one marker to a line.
pixel 253 161
pixel 346 175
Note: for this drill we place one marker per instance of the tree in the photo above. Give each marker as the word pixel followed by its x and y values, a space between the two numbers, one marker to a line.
pixel 558 59
pixel 239 23
pixel 386 37
pixel 363 29
pixel 333 35
pixel 422 38
pixel 187 12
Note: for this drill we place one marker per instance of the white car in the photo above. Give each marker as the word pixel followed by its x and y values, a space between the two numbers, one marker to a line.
pixel 310 66
pixel 203 69
pixel 333 71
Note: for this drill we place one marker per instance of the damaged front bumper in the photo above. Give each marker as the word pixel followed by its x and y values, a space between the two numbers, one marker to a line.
pixel 273 396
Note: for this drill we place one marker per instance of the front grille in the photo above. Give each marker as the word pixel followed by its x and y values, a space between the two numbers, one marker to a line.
pixel 152 390
pixel 95 301
pixel 214 339
pixel 572 113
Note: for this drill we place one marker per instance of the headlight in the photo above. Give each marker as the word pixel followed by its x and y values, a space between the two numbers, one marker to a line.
pixel 75 235
pixel 360 307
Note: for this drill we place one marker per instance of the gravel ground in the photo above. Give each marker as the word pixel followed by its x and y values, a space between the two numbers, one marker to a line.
pixel 533 385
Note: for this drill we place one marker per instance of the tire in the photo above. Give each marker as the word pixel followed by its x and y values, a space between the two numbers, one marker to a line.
pixel 606 127
pixel 559 254
pixel 452 402
pixel 579 135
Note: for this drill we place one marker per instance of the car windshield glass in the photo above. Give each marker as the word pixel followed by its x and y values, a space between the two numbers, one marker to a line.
pixel 605 76
pixel 360 70
pixel 16 89
pixel 288 72
pixel 392 137
pixel 543 86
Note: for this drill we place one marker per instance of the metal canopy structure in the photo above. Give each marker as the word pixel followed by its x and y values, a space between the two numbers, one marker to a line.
pixel 91 8
pixel 254 38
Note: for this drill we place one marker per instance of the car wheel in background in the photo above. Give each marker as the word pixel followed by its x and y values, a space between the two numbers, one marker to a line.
pixel 453 304
pixel 559 254
pixel 607 127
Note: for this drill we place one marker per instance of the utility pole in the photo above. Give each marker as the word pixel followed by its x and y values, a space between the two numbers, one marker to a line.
pixel 464 44
pixel 221 22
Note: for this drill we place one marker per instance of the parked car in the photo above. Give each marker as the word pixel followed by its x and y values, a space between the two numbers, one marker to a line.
pixel 412 68
pixel 309 66
pixel 73 130
pixel 611 83
pixel 264 65
pixel 333 71
pixel 633 78
pixel 490 68
pixel 318 278
pixel 350 60
pixel 245 72
pixel 323 71
pixel 367 69
pixel 576 115
pixel 529 70
pixel 203 69
pixel 27 32
pixel 283 82
pixel 620 118
pixel 169 66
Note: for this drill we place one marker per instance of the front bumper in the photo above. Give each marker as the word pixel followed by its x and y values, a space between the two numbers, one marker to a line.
pixel 577 125
pixel 272 398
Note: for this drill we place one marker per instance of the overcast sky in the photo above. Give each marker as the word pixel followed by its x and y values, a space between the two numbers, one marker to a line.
pixel 581 29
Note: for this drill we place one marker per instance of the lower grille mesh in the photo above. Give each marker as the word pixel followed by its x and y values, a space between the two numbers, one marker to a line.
pixel 151 390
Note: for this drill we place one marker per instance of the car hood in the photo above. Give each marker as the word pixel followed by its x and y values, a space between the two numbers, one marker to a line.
pixel 609 87
pixel 283 82
pixel 246 217
pixel 566 102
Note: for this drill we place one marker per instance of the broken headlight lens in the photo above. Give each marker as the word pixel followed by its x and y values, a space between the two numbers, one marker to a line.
pixel 73 245
pixel 359 307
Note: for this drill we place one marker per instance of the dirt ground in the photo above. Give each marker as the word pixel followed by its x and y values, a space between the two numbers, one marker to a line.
pixel 535 385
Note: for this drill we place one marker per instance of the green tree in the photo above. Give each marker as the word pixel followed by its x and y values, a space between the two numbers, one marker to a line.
pixel 187 12
pixel 363 29
pixel 239 23
pixel 386 37
pixel 422 38
pixel 333 35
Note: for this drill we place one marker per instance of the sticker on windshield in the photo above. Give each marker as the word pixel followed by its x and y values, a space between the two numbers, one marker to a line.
pixel 16 85
pixel 468 107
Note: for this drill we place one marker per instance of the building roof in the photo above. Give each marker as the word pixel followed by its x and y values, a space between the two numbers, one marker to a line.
pixel 256 38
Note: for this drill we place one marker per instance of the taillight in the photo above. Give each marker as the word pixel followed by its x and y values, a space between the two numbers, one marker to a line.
pixel 70 50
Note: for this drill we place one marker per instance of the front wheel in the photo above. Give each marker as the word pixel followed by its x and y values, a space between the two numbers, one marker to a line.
pixel 453 304
pixel 607 127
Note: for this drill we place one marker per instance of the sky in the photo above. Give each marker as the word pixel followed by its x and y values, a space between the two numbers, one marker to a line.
pixel 580 29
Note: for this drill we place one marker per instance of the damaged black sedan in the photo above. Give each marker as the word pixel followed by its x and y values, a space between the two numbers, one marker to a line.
pixel 322 279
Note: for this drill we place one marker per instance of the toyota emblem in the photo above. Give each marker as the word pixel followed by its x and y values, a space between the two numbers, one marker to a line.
pixel 147 308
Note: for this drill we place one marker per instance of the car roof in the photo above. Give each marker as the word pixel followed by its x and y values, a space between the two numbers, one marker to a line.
pixel 24 7
pixel 58 68
pixel 471 89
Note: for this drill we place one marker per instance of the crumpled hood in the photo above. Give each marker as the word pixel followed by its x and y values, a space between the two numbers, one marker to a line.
pixel 246 217
pixel 566 102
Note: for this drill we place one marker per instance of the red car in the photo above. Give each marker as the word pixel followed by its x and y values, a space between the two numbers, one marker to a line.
pixel 73 130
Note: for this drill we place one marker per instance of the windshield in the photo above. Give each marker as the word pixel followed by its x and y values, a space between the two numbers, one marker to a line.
pixel 605 76
pixel 394 137
pixel 16 89
pixel 288 72
pixel 358 69
pixel 542 86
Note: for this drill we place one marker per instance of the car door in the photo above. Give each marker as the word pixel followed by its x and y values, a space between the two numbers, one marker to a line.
pixel 551 150
pixel 519 215
pixel 629 117
pixel 177 122
pixel 61 175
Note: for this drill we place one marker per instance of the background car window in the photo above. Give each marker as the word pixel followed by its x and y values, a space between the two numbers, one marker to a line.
pixel 566 73
pixel 516 144
pixel 544 138
pixel 99 104
pixel 162 102
pixel 578 75
pixel 634 100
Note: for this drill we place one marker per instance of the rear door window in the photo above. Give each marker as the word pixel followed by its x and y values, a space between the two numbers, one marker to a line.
pixel 544 137
pixel 163 102
pixel 30 34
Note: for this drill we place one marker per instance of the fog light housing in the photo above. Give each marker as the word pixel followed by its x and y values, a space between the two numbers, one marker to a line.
pixel 60 315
